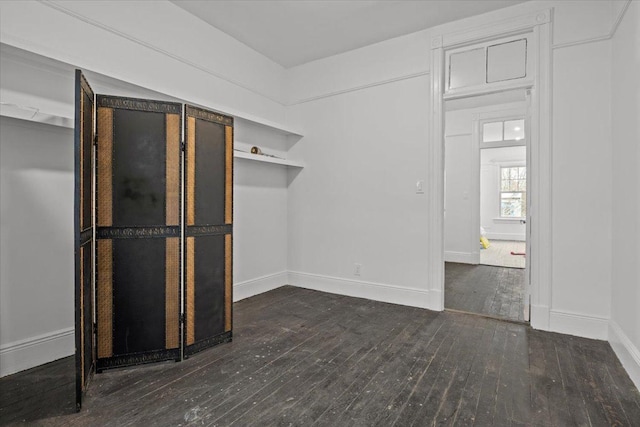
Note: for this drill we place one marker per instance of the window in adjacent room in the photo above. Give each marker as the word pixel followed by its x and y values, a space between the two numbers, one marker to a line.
pixel 513 192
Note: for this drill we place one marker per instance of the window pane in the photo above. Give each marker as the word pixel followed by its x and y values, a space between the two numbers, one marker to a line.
pixel 492 132
pixel 506 61
pixel 467 68
pixel 512 205
pixel 514 129
pixel 513 187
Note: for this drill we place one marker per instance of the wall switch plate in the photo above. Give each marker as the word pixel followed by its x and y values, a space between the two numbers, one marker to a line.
pixel 420 187
pixel 357 269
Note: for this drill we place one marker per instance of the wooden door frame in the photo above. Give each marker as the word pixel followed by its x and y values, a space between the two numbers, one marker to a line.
pixel 539 24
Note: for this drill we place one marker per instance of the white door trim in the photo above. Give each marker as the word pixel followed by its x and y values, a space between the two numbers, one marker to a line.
pixel 540 258
pixel 477 121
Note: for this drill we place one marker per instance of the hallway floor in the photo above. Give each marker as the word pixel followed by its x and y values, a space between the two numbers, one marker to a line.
pixel 484 289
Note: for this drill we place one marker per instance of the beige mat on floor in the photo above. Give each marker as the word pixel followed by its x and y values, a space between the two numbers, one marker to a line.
pixel 499 254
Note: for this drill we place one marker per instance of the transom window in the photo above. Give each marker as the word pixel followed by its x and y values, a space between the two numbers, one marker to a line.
pixel 507 130
pixel 513 192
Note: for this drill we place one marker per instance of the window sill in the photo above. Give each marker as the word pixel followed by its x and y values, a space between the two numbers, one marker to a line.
pixel 508 219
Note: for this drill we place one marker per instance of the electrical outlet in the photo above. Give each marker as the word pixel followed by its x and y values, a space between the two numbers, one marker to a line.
pixel 357 269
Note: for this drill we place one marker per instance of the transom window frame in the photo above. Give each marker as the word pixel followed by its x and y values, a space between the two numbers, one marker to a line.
pixel 505 142
pixel 524 81
pixel 503 131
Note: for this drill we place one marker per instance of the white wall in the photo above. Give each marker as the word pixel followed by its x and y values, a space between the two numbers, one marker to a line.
pixel 356 200
pixel 491 159
pixel 259 214
pixel 380 63
pixel 327 93
pixel 625 309
pixel 581 217
pixel 36 252
pixel 458 201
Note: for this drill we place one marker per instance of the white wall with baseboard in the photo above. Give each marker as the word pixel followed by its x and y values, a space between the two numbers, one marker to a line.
pixel 36 252
pixel 458 201
pixel 259 228
pixel 624 330
pixel 339 207
pixel 356 201
pixel 582 168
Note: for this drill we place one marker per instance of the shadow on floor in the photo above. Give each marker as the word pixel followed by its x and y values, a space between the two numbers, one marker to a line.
pixel 39 393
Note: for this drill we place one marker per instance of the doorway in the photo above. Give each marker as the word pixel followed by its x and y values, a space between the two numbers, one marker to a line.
pixel 485 205
pixel 495 69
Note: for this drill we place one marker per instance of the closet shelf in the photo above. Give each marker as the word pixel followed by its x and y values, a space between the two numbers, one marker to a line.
pixel 8 109
pixel 55 108
pixel 267 159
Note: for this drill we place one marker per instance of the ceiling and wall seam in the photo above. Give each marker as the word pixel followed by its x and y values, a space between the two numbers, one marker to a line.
pixel 157 49
pixel 260 93
pixel 360 87
pixel 609 36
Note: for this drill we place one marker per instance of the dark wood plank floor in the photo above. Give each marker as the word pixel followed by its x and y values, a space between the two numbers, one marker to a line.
pixel 485 289
pixel 302 357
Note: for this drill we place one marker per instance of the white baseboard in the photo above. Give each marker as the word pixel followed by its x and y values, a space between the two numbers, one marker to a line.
pixel 435 300
pixel 579 325
pixel 506 236
pixel 462 257
pixel 31 352
pixel 539 317
pixel 626 351
pixel 361 289
pixel 256 286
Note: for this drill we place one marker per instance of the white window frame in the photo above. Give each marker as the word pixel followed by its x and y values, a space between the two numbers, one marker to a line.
pixel 520 82
pixel 504 142
pixel 524 193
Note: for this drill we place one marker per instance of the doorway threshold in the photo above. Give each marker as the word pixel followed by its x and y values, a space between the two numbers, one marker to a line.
pixel 488 316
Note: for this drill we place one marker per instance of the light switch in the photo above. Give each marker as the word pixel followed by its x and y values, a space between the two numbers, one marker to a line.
pixel 420 187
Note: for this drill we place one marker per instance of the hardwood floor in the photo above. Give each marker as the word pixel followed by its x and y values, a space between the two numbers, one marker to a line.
pixel 485 289
pixel 301 357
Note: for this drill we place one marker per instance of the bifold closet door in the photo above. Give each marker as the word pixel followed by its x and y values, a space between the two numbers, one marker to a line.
pixel 83 239
pixel 138 231
pixel 208 226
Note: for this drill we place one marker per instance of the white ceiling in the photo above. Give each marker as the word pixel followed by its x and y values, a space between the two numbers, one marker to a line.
pixel 294 32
